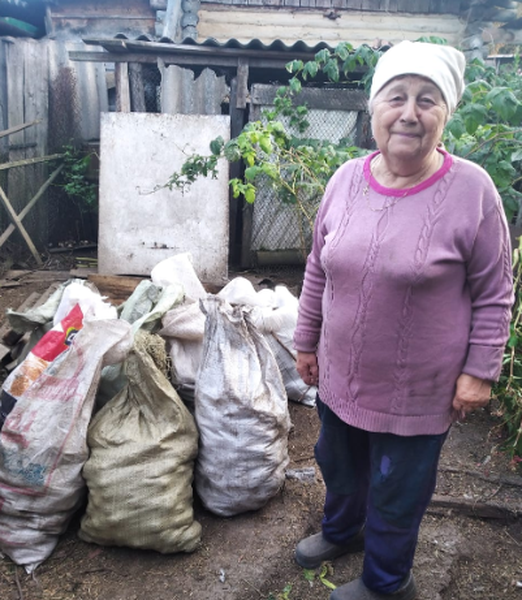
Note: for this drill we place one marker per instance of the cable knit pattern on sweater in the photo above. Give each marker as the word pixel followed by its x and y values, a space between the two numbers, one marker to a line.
pixel 399 302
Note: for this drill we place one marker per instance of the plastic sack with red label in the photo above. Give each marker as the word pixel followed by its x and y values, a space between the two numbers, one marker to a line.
pixel 52 344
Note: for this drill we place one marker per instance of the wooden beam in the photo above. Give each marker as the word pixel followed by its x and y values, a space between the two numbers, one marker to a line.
pixel 123 101
pixel 318 98
pixel 82 56
pixel 30 204
pixel 17 128
pixel 18 223
pixel 29 161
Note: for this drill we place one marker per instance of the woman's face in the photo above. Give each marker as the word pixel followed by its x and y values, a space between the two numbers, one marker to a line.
pixel 408 118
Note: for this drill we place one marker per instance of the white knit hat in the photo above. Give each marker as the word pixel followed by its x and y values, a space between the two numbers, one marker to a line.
pixel 444 65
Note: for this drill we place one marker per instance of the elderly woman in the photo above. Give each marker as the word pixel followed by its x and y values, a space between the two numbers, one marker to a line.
pixel 403 318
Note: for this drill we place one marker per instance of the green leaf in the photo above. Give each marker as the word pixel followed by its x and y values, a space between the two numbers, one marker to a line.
pixel 311 68
pixel 332 70
pixel 216 146
pixel 456 126
pixel 503 102
pixel 473 115
pixel 322 56
pixel 309 574
pixel 252 172
pixel 294 66
pixel 343 50
pixel 250 194
pixel 295 85
pixel 231 151
pixel 265 144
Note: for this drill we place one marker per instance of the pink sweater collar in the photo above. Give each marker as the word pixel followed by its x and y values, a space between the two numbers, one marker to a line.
pixel 386 191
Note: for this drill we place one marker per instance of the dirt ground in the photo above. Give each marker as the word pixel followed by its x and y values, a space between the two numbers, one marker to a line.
pixel 470 541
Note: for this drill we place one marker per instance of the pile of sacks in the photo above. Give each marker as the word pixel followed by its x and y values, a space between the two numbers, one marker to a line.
pixel 97 407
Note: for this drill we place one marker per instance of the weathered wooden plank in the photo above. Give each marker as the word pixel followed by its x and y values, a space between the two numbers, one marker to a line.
pixel 242 82
pixel 289 27
pixel 445 6
pixel 374 5
pixel 407 6
pixel 116 288
pixel 354 4
pixel 36 95
pixel 137 88
pixel 4 142
pixel 423 6
pixel 123 102
pixel 25 276
pixel 391 5
pixel 16 182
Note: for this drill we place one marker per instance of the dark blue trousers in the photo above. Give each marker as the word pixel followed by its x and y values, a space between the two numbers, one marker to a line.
pixel 379 480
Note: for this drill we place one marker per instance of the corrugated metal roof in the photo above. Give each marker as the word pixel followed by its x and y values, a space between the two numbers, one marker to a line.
pixel 275 46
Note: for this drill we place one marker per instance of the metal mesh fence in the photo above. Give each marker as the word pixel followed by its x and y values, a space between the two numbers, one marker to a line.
pixel 279 226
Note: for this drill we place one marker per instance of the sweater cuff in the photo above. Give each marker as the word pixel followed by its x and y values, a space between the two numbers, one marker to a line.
pixel 484 362
pixel 304 342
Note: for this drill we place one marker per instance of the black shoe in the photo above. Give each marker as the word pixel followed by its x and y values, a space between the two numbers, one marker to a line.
pixel 356 590
pixel 313 550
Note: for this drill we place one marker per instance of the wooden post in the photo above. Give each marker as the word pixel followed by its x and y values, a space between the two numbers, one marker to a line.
pixel 240 211
pixel 137 89
pixel 121 76
pixel 242 82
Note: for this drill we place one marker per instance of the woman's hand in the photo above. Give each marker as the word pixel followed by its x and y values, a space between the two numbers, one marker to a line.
pixel 307 367
pixel 471 393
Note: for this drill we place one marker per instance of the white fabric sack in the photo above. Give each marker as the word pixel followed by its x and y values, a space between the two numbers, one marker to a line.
pixel 143 445
pixel 241 413
pixel 43 444
pixel 275 315
pixel 92 303
pixel 183 329
pixel 241 291
pixel 178 269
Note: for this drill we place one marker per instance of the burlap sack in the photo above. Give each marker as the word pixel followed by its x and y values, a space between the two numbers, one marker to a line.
pixel 143 444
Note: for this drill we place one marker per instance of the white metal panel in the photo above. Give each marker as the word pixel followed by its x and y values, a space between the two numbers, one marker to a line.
pixel 138 226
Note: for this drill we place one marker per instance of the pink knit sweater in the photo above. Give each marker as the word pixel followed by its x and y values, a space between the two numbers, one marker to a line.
pixel 398 303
